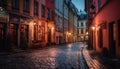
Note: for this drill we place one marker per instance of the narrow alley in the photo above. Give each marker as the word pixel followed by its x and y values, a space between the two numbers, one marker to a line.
pixel 59 34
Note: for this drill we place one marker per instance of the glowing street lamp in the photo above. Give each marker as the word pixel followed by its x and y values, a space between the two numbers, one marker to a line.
pixel 86 33
pixel 34 23
pixel 69 33
pixel 52 28
pixel 93 28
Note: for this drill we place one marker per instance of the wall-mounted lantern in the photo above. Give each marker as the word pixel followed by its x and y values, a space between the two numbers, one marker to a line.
pixel 93 27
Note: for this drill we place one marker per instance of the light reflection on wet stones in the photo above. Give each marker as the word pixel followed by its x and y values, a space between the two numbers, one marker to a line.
pixel 61 57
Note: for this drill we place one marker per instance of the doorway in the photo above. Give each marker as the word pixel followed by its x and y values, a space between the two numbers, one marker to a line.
pixel 112 39
pixel 14 35
pixel 2 36
pixel 100 38
pixel 24 36
pixel 49 36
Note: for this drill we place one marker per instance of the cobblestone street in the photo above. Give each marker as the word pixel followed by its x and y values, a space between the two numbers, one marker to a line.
pixel 54 57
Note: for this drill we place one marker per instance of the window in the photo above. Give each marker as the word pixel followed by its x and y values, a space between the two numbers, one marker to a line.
pixel 36 8
pixel 3 2
pixel 48 14
pixel 84 31
pixel 81 23
pixel 78 24
pixel 43 11
pixel 99 4
pixel 52 14
pixel 81 31
pixel 15 4
pixel 26 5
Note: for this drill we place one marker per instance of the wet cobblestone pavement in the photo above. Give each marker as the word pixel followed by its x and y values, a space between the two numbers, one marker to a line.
pixel 55 57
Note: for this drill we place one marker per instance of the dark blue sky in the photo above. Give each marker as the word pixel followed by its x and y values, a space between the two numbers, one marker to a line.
pixel 79 4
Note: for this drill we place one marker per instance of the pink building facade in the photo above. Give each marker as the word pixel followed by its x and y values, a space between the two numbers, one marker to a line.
pixel 105 26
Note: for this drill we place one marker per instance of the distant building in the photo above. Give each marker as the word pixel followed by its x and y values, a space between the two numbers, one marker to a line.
pixel 66 20
pixel 75 10
pixel 82 29
pixel 72 31
pixel 59 11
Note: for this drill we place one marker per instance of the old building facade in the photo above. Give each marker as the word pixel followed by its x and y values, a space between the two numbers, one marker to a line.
pixel 82 27
pixel 104 25
pixel 59 21
pixel 37 23
pixel 26 23
pixel 15 26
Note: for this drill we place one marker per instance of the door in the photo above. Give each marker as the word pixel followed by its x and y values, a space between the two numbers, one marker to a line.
pixel 24 36
pixel 112 40
pixel 100 38
pixel 2 35
pixel 49 36
pixel 14 35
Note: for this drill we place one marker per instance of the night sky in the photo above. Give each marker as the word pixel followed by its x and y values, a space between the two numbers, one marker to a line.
pixel 79 4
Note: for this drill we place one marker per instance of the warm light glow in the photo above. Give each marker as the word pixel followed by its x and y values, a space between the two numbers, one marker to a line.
pixel 93 28
pixel 34 23
pixel 69 46
pixel 82 37
pixel 66 32
pixel 86 33
pixel 52 28
pixel 69 33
